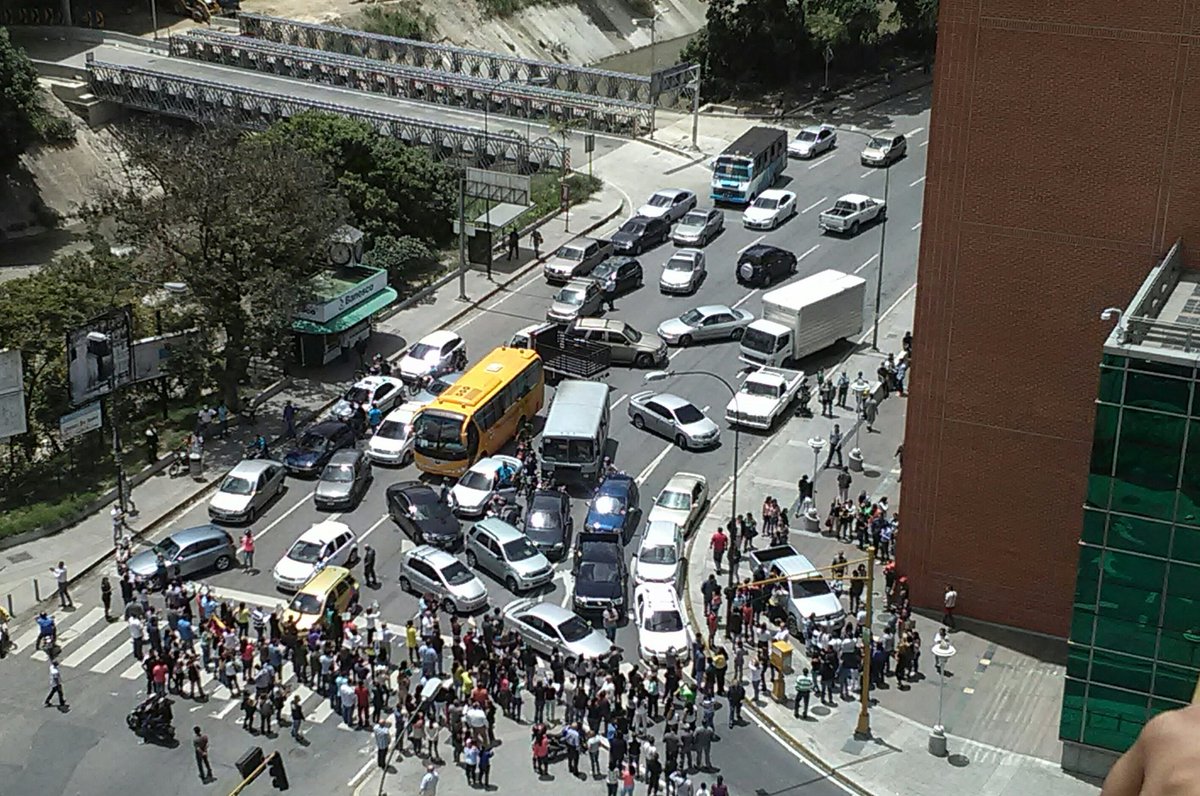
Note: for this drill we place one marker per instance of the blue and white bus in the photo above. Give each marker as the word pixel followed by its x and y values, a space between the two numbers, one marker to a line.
pixel 749 165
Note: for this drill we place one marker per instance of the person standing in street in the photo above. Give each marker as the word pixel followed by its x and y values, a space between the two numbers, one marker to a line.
pixel 718 544
pixel 804 687
pixel 870 411
pixel 843 389
pixel 370 579
pixel 223 419
pixel 535 238
pixel 106 597
pixel 151 445
pixel 383 739
pixel 297 718
pixel 200 746
pixel 247 548
pixel 610 623
pixel 844 480
pixel 61 582
pixel 55 685
pixel 514 245
pixel 289 420
pixel 835 446
pixel 429 782
pixel 950 600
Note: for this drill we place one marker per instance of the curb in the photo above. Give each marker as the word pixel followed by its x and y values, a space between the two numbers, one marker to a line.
pixel 198 496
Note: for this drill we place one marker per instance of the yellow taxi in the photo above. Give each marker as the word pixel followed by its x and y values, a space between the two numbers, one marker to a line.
pixel 332 587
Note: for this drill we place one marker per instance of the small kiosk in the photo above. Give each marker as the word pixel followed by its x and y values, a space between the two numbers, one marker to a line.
pixel 345 297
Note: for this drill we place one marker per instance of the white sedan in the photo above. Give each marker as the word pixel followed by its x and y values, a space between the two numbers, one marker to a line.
pixel 487 478
pixel 383 391
pixel 770 209
pixel 660 623
pixel 671 204
pixel 812 141
pixel 434 354
pixel 682 501
pixel 392 442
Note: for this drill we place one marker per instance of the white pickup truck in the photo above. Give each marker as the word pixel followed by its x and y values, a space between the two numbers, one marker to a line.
pixel 765 395
pixel 852 211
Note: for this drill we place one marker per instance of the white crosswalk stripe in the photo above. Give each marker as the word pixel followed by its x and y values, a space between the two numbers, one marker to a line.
pixel 124 651
pixel 73 631
pixel 94 644
pixel 134 671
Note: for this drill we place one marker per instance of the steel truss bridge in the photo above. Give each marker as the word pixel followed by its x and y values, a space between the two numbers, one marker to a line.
pixel 665 88
pixel 212 101
pixel 531 102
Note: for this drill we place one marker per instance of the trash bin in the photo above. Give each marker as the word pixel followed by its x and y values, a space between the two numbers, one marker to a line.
pixel 195 464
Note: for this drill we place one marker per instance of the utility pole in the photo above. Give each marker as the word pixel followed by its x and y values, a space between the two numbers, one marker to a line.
pixel 696 107
pixel 462 236
pixel 887 173
pixel 863 728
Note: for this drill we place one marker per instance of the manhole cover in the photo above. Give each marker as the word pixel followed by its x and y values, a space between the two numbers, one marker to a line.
pixel 18 558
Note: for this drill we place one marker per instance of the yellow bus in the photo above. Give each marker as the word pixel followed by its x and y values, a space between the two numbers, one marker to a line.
pixel 478 415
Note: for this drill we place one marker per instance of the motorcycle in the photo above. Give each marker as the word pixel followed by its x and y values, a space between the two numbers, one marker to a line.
pixel 179 463
pixel 152 720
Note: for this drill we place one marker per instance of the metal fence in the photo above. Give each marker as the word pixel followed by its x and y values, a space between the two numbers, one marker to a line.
pixel 210 101
pixel 533 103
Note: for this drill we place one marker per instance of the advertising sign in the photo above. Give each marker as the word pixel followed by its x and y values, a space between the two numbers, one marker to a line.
pixel 80 422
pixel 100 356
pixel 151 354
pixel 12 395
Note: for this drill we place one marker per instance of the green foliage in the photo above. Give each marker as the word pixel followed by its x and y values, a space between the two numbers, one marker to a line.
pixel 20 102
pixel 409 261
pixel 392 189
pixel 506 8
pixel 843 23
pixel 30 516
pixel 918 20
pixel 57 129
pixel 407 21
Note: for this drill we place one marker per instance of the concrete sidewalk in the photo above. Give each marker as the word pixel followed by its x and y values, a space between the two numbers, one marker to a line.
pixel 25 578
pixel 1003 690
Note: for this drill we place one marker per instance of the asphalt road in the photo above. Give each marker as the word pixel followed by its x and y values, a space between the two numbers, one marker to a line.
pixel 82 748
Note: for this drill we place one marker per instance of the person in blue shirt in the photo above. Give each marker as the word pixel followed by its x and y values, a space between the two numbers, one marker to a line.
pixel 374 417
pixel 47 632
pixel 183 626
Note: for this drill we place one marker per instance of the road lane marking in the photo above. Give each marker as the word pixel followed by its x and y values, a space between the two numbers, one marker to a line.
pixel 925 142
pixel 866 174
pixel 914 132
pixel 655 462
pixel 371 530
pixel 135 670
pixel 815 204
pixel 69 634
pixel 282 517
pixel 618 402
pixel 113 658
pixel 815 246
pixel 751 243
pixel 225 711
pixel 674 353
pixel 568 579
pixel 745 298
pixel 916 182
pixel 94 644
pixel 916 226
pixel 478 313
pixel 250 598
pixel 828 156
pixel 874 257
pixel 362 774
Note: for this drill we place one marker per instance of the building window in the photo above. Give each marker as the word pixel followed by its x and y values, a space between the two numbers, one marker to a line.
pixel 1123 671
pixel 1070 728
pixel 1104 449
pixel 1147 468
pixel 1187 510
pixel 1161 393
pixel 1185 546
pixel 1112 385
pixel 1139 535
pixel 1114 717
pixel 1093 526
pixel 1176 683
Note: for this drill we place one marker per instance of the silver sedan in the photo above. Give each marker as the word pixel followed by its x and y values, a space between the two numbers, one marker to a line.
pixel 673 417
pixel 710 322
pixel 548 627
pixel 683 273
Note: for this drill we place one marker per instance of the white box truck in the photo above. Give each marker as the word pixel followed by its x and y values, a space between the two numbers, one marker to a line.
pixel 804 317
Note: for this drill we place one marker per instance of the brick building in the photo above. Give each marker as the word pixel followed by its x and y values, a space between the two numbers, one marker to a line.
pixel 1063 144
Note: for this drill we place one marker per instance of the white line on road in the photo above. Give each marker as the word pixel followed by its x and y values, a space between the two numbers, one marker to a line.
pixel 644 474
pixel 914 132
pixel 745 298
pixel 568 580
pixel 815 246
pixel 675 353
pixel 282 517
pixel 478 313
pixel 874 257
pixel 916 226
pixel 866 174
pixel 751 243
pixel 815 204
pixel 828 156
pixel 225 711
pixel 94 644
pixel 250 598
pixel 362 773
pixel 617 402
pixel 925 142
pixel 371 530
pixel 916 182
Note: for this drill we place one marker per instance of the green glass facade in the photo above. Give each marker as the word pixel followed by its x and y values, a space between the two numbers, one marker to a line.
pixel 1134 648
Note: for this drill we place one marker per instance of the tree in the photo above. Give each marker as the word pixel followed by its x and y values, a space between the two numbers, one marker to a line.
pixel 391 188
pixel 20 101
pixel 405 259
pixel 918 20
pixel 244 221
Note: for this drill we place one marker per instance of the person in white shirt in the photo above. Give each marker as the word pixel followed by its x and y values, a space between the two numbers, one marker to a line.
pixel 429 782
pixel 137 634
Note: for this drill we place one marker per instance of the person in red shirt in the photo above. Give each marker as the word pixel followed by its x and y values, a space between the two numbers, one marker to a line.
pixel 541 755
pixel 479 695
pixel 718 544
pixel 363 701
pixel 158 675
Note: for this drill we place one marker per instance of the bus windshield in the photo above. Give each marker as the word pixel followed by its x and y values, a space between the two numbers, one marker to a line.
pixel 733 167
pixel 438 435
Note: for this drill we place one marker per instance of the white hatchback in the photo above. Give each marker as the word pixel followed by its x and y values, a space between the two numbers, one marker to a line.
pixel 392 442
pixel 660 555
pixel 660 623
pixel 324 544
pixel 487 478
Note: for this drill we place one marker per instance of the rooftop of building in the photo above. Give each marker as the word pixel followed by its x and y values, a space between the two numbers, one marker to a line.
pixel 1162 322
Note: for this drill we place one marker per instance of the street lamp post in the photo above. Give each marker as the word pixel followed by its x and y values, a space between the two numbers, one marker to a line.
pixel 817 444
pixel 660 375
pixel 943 651
pixel 887 173
pixel 429 689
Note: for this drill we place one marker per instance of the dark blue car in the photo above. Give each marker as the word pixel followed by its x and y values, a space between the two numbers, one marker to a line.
pixel 614 508
pixel 316 447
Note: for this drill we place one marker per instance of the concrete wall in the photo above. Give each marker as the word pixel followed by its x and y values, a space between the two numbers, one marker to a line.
pixel 1036 218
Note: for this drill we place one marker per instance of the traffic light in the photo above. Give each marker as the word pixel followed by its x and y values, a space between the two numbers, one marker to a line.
pixel 278 773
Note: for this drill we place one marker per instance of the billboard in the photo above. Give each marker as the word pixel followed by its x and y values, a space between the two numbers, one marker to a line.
pixel 12 395
pixel 100 356
pixel 151 354
pixel 80 422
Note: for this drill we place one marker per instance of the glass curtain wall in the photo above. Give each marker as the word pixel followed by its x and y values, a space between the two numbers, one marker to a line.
pixel 1134 647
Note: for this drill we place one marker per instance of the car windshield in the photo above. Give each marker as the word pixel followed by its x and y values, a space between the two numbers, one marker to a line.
pixel 758 340
pixel 688 414
pixel 634 227
pixel 816 587
pixel 604 271
pixel 167 548
pixel 607 504
pixel 392 429
pixel 422 509
pixel 733 167
pixel 439 435
pixel 423 351
pixel 692 317
pixel 694 220
pixel 519 550
pixel 659 554
pixel 670 499
pixel 879 143
pixel 664 622
pixel 338 473
pixel 306 604
pixel 305 551
pixel 808 135
pixel 755 388
pixel 358 395
pixel 574 629
pixel 765 203
pixel 236 485
pixel 633 335
pixel 473 479
pixel 313 442
pixel 543 518
pixel 569 253
pixel 661 200
pixel 570 296
pixel 456 574
pixel 681 264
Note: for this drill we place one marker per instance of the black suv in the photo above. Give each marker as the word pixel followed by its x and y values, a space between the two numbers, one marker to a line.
pixel 763 265
pixel 601 577
pixel 618 275
pixel 639 234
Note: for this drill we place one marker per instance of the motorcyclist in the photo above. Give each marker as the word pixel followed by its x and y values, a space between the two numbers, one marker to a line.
pixel 47 632
pixel 259 447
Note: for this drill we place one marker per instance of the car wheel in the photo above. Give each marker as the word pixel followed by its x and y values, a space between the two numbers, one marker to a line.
pixel 681 441
pixel 793 267
pixel 405 584
pixel 472 561
pixel 223 563
pixel 643 361
pixel 510 583
pixel 853 228
pixel 737 333
pixel 686 340
pixel 638 422
pixel 882 215
pixel 448 606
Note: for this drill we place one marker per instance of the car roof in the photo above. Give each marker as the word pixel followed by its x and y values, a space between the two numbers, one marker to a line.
pixel 324 580
pixel 198 533
pixel 853 197
pixel 616 484
pixel 403 413
pixel 252 468
pixel 492 463
pixel 661 532
pixel 759 249
pixel 684 481
pixel 775 193
pixel 669 400
pixel 324 531
pixel 814 128
pixel 410 487
pixel 658 595
pixel 499 529
pixel 554 614
pixel 600 323
pixel 714 309
pixel 327 427
pixel 439 338
pixel 346 456
pixel 671 192
pixel 372 382
pixel 580 242
pixel 434 556
pixel 579 283
pixel 545 496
